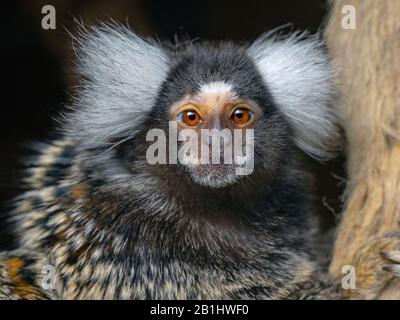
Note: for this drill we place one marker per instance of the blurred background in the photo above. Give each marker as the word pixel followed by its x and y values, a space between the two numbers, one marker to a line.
pixel 37 67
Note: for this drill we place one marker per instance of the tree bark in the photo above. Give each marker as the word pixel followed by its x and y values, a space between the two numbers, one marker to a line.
pixel 368 60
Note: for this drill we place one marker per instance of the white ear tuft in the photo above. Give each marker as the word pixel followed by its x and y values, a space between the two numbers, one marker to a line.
pixel 122 74
pixel 298 74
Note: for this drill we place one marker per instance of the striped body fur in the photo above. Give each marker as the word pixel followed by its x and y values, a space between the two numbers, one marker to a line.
pixel 64 223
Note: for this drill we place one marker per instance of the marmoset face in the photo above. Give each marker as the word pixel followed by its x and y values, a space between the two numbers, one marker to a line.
pixel 226 114
pixel 227 125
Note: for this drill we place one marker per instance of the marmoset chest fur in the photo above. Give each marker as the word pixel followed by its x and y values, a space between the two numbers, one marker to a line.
pixel 104 246
pixel 114 226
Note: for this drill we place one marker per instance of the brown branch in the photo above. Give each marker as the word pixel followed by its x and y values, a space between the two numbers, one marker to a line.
pixel 369 62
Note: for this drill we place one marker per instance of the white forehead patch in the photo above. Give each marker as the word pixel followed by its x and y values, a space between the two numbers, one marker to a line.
pixel 216 87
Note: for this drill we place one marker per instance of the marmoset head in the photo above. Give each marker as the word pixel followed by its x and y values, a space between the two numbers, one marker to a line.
pixel 200 111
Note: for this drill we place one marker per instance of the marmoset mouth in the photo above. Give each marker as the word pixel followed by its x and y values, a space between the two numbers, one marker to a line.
pixel 214 175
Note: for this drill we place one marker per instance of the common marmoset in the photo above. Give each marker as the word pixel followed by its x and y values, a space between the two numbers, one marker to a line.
pixel 114 226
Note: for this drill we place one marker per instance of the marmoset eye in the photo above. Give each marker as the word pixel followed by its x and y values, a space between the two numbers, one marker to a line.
pixel 242 116
pixel 190 118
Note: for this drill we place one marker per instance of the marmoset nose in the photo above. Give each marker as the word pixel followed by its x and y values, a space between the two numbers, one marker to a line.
pixel 217 134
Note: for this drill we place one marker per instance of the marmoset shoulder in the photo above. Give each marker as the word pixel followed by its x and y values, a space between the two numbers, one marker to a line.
pixel 123 206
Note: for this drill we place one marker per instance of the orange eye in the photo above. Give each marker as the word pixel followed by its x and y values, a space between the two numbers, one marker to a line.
pixel 190 118
pixel 242 116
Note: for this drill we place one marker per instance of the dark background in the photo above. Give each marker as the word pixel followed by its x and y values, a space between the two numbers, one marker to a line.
pixel 37 66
